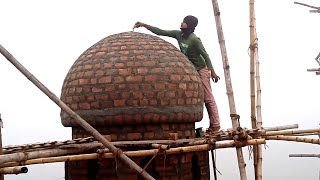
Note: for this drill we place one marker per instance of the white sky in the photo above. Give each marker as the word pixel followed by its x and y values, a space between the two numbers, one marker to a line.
pixel 48 36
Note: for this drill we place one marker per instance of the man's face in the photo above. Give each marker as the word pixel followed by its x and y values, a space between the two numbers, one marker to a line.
pixel 183 25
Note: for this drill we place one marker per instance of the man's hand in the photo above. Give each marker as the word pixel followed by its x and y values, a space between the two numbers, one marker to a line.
pixel 214 76
pixel 139 24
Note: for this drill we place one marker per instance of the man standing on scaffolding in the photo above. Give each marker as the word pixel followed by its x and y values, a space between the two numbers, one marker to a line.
pixel 192 47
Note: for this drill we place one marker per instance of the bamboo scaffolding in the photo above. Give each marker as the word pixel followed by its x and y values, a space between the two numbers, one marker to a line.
pixel 226 67
pixel 13 170
pixel 304 155
pixel 140 153
pixel 293 138
pixel 74 115
pixel 292 132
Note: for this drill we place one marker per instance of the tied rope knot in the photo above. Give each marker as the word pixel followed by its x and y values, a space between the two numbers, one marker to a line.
pixel 240 137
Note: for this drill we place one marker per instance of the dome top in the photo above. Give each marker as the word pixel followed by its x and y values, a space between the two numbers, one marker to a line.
pixel 132 78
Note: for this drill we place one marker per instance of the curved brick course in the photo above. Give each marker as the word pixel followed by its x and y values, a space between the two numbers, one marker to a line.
pixel 132 78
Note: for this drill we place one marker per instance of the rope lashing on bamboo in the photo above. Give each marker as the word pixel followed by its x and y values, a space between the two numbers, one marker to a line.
pixel 240 137
pixel 236 116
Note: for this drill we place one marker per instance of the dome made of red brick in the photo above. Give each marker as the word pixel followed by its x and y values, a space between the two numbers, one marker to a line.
pixel 132 78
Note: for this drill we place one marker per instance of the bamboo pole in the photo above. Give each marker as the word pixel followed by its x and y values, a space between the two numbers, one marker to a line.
pixel 252 83
pixel 1 149
pixel 304 155
pixel 313 70
pixel 226 67
pixel 140 153
pixel 279 128
pixel 254 46
pixel 21 156
pixel 74 115
pixel 13 170
pixel 293 138
pixel 292 132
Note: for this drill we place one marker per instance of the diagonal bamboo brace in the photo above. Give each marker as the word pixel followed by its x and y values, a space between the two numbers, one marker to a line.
pixel 117 152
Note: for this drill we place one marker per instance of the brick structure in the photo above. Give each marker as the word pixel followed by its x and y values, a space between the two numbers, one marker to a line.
pixel 134 86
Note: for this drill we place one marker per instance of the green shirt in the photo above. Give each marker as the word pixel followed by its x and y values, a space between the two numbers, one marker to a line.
pixel 191 46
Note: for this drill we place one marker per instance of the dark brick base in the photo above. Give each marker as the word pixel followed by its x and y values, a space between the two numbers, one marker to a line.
pixel 186 166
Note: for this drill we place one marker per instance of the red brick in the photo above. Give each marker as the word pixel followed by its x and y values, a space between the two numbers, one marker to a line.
pixel 84 106
pixel 134 78
pixel 152 78
pixel 96 89
pixel 118 79
pixel 137 95
pixel 94 105
pixel 110 88
pixel 148 135
pixel 120 103
pixel 83 81
pixel 105 80
pixel 125 71
pixel 175 77
pixel 134 136
pixel 119 65
pixel 160 86
pixel 102 96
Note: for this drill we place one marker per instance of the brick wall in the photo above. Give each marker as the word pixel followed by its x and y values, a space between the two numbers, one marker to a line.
pixel 186 166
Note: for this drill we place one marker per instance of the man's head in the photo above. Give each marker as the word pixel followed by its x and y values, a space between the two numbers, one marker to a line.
pixel 191 21
pixel 188 25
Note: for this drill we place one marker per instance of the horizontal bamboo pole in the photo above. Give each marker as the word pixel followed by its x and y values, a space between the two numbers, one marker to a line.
pixel 292 132
pixel 313 70
pixel 279 128
pixel 21 156
pixel 293 138
pixel 14 170
pixel 205 147
pixel 304 155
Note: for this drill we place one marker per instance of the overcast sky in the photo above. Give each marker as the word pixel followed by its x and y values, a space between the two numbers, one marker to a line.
pixel 48 36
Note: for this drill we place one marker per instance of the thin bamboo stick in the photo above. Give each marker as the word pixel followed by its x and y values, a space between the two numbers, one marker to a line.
pixel 293 138
pixel 304 155
pixel 74 115
pixel 141 153
pixel 13 170
pixel 292 132
pixel 226 67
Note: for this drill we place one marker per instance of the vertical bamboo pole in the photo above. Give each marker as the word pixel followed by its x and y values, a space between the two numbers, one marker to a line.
pixel 254 70
pixel 259 114
pixel 74 115
pixel 226 67
pixel 1 150
pixel 252 82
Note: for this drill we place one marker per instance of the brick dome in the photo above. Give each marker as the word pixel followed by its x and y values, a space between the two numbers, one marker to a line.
pixel 132 78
